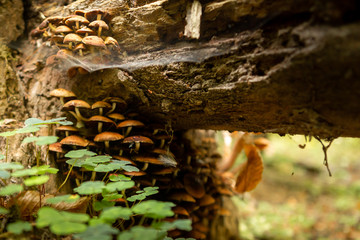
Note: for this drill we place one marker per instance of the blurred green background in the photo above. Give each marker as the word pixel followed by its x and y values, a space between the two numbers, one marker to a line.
pixel 297 199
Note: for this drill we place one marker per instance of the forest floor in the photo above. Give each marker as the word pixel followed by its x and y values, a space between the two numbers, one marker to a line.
pixel 297 199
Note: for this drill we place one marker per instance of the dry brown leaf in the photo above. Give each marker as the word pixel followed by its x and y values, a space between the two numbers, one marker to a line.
pixel 251 171
pixel 28 203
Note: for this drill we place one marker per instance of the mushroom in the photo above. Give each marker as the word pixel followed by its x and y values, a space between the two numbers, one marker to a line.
pixel 206 200
pixel 146 161
pixel 57 147
pixel 97 14
pixel 63 30
pixel 193 185
pixel 178 210
pixel 163 138
pixel 75 105
pixel 134 174
pixel 112 44
pixel 101 105
pixel 67 129
pixel 80 13
pixel 107 137
pixel 85 30
pixel 71 39
pixel 57 40
pixel 93 41
pixel 75 141
pixel 63 94
pixel 80 48
pixel 116 116
pixel 117 103
pixel 99 25
pixel 101 121
pixel 137 141
pixel 181 196
pixel 75 21
pixel 129 125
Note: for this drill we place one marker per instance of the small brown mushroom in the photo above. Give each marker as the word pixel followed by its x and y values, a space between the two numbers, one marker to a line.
pixel 67 129
pixel 102 121
pixel 75 141
pixel 75 21
pixel 117 103
pixel 93 41
pixel 85 30
pixel 129 125
pixel 181 196
pixel 99 25
pixel 76 105
pixel 101 105
pixel 97 14
pixel 116 116
pixel 193 185
pixel 147 160
pixel 80 48
pixel 63 94
pixel 108 137
pixel 134 142
pixel 72 39
pixel 63 30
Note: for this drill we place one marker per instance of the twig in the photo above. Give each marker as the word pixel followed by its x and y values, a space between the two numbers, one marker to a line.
pixel 325 148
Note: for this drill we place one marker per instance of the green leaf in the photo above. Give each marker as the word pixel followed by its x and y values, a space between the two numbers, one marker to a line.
pixel 68 198
pixel 111 214
pixel 27 129
pixel 8 134
pixel 96 232
pixel 79 153
pixel 111 196
pixel 107 167
pixel 25 172
pixel 11 166
pixel 130 168
pixel 76 162
pixel 36 180
pixel 40 141
pixel 46 169
pixel 88 188
pixel 75 217
pixel 119 186
pixel 2 156
pixel 4 211
pixel 137 197
pixel 66 228
pixel 181 224
pixel 4 174
pixel 11 189
pixel 118 177
pixel 141 233
pixel 154 209
pixel 36 121
pixel 47 216
pixel 151 190
pixel 19 227
pixel 98 159
pixel 100 205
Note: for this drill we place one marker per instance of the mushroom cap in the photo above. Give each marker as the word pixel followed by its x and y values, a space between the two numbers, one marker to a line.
pixel 148 160
pixel 63 29
pixel 85 30
pixel 92 14
pixel 55 19
pixel 135 174
pixel 43 24
pixel 206 200
pixel 201 227
pixel 80 13
pixel 196 234
pixel 98 24
pixel 108 136
pixel 37 32
pixel 67 128
pixel 180 211
pixel 116 116
pixel 64 53
pixel 75 141
pixel 101 104
pixel 56 147
pixel 72 37
pixel 76 18
pixel 163 152
pixel 164 171
pixel 99 118
pixel 120 103
pixel 79 46
pixel 182 196
pixel 56 39
pixel 140 139
pixel 130 123
pixel 94 41
pixel 61 92
pixel 121 158
pixel 193 185
pixel 111 41
pixel 75 104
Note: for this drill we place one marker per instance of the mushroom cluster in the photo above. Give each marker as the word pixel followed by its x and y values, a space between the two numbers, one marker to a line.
pixel 83 34
pixel 184 175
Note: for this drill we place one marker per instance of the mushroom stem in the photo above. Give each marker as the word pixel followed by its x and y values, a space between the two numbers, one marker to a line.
pixel 162 143
pixel 112 108
pixel 128 130
pixel 153 181
pixel 99 31
pixel 146 165
pixel 121 152
pixel 101 111
pixel 79 115
pixel 137 146
pixel 77 25
pixel 100 124
pixel 107 145
pixel 80 123
pixel 188 160
pixel 175 172
pixel 98 17
pixel 62 100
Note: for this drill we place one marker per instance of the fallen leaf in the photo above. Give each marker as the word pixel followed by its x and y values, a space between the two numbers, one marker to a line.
pixel 251 171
